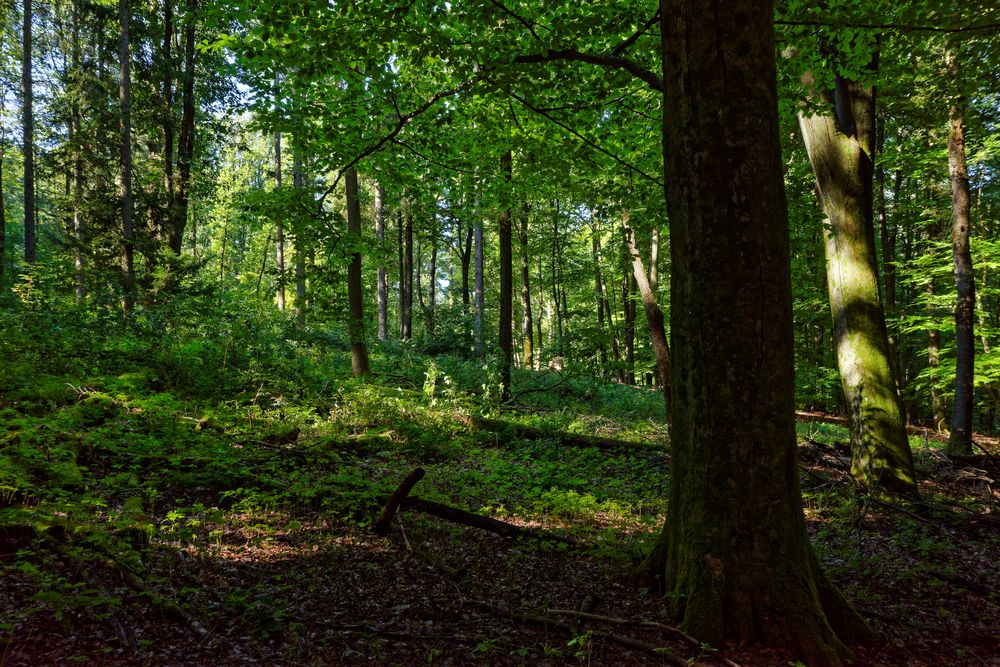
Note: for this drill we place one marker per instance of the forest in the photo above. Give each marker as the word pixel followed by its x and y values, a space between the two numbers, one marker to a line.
pixel 499 332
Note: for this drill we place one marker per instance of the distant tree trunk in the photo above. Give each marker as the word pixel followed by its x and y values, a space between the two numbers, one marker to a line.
pixel 355 292
pixel 654 316
pixel 185 146
pixel 506 281
pixel 28 126
pixel 125 186
pixel 408 275
pixel 480 300
pixel 938 409
pixel 432 281
pixel 3 213
pixel 889 235
pixel 418 269
pixel 960 438
pixel 383 285
pixel 840 143
pixel 595 249
pixel 735 555
pixel 279 232
pixel 300 247
pixel 77 150
pixel 628 321
pixel 538 320
pixel 527 335
pixel 654 263
pixel 167 113
pixel 401 270
pixel 554 266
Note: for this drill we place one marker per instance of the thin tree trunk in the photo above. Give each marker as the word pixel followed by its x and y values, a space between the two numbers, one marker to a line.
pixel 279 232
pixel 960 439
pixel 595 250
pixel 938 409
pixel 654 316
pixel 355 293
pixel 3 212
pixel 401 271
pixel 554 261
pixel 840 144
pixel 538 320
pixel 300 246
pixel 383 286
pixel 125 185
pixel 480 296
pixel 408 275
pixel 28 126
pixel 506 280
pixel 166 110
pixel 628 319
pixel 432 281
pixel 654 262
pixel 77 150
pixel 527 334
pixel 185 146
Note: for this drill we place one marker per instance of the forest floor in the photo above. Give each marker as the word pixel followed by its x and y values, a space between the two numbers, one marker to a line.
pixel 153 516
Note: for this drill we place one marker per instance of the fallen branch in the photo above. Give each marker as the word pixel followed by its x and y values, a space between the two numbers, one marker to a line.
pixel 381 525
pixel 569 439
pixel 642 624
pixel 460 516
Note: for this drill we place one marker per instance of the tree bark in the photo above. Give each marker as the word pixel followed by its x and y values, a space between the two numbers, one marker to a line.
pixel 28 127
pixel 167 116
pixel 654 316
pixel 527 333
pixel 506 279
pixel 432 281
pixel 125 183
pixel 279 231
pixel 401 270
pixel 185 145
pixel 300 246
pixel 595 251
pixel 77 150
pixel 408 274
pixel 840 143
pixel 960 439
pixel 734 553
pixel 480 300
pixel 355 293
pixel 628 323
pixel 383 286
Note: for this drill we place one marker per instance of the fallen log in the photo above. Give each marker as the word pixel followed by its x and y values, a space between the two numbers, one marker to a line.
pixel 381 525
pixel 569 439
pixel 460 516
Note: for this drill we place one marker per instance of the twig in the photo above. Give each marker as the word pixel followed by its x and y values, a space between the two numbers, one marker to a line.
pixel 399 520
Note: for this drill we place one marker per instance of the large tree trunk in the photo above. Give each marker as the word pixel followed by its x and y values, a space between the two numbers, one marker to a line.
pixel 527 334
pixel 125 182
pixel 654 316
pixel 383 285
pixel 355 293
pixel 185 147
pixel 960 439
pixel 300 246
pixel 840 143
pixel 506 280
pixel 28 147
pixel 734 554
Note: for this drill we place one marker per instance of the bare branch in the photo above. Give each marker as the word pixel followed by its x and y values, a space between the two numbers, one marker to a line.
pixel 612 61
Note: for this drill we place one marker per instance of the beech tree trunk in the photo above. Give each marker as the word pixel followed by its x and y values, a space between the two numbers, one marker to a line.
pixel 77 175
pixel 28 127
pixel 480 302
pixel 300 247
pixel 185 144
pixel 167 113
pixel 355 293
pixel 960 438
pixel 401 270
pixel 407 305
pixel 734 554
pixel 628 323
pixel 506 281
pixel 527 334
pixel 383 286
pixel 279 231
pixel 840 142
pixel 3 212
pixel 654 316
pixel 125 182
pixel 595 251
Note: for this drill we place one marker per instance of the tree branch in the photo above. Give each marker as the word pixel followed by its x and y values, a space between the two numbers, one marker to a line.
pixel 612 61
pixel 901 27
pixel 628 42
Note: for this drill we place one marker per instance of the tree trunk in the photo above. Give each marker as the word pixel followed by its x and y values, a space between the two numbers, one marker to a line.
pixel 167 116
pixel 840 144
pixel 734 553
pixel 960 439
pixel 355 293
pixel 279 232
pixel 401 270
pixel 432 281
pixel 28 126
pixel 538 320
pixel 125 183
pixel 595 251
pixel 408 274
pixel 480 301
pixel 938 409
pixel 77 150
pixel 185 147
pixel 506 280
pixel 383 285
pixel 527 334
pixel 628 324
pixel 654 316
pixel 300 246
pixel 3 212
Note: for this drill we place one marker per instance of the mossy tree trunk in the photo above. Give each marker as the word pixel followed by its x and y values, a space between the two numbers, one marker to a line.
pixel 840 143
pixel 355 293
pixel 734 554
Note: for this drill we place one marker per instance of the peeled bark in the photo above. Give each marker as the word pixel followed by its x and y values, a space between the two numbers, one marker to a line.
pixel 960 440
pixel 28 127
pixel 125 176
pixel 506 282
pixel 355 294
pixel 383 286
pixel 840 143
pixel 734 554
